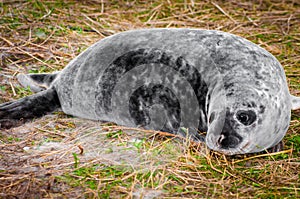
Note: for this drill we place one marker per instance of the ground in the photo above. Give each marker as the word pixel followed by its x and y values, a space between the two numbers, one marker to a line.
pixel 59 156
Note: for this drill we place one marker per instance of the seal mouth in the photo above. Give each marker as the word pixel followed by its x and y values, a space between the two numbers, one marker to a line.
pixel 214 144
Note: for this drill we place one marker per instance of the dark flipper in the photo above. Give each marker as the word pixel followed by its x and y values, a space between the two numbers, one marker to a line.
pixel 34 106
pixel 37 82
pixel 192 135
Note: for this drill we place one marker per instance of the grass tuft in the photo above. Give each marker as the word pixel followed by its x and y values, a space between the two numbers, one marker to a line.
pixel 59 156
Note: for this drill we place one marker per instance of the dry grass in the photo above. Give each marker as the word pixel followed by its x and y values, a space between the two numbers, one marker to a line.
pixel 61 157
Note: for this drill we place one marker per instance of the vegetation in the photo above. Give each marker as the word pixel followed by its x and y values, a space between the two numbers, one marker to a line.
pixel 59 156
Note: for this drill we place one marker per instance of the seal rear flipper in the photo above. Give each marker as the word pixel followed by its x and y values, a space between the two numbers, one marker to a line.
pixel 34 106
pixel 37 82
pixel 295 102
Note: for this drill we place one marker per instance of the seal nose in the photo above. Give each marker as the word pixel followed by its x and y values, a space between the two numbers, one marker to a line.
pixel 227 141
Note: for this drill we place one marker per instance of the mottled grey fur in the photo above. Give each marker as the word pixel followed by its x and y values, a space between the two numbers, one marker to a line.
pixel 165 79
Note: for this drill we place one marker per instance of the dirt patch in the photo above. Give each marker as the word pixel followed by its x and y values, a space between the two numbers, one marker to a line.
pixel 38 152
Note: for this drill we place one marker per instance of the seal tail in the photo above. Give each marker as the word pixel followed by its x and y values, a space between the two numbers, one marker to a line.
pixel 17 112
pixel 295 102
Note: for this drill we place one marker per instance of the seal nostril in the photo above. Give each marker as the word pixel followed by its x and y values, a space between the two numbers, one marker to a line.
pixel 220 140
pixel 227 142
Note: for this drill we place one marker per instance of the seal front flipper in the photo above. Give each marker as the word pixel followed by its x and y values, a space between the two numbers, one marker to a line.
pixel 295 102
pixel 34 106
pixel 37 82
pixel 277 148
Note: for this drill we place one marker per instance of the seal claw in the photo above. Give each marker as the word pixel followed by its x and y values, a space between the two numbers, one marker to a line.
pixel 277 148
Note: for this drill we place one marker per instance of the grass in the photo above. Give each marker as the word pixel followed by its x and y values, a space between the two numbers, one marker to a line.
pixel 59 156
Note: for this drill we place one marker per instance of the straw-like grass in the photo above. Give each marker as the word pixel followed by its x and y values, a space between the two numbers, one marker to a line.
pixel 58 156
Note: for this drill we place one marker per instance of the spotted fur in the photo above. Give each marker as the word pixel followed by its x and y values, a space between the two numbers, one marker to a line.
pixel 166 79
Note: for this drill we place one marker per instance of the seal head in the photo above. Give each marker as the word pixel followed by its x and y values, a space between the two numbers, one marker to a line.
pixel 253 111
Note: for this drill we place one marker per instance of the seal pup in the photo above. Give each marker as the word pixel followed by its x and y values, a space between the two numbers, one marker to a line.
pixel 166 79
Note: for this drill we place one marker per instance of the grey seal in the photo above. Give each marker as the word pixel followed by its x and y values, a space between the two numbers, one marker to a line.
pixel 166 79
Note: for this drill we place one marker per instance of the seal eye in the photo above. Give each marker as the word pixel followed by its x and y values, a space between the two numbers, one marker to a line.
pixel 246 117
